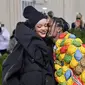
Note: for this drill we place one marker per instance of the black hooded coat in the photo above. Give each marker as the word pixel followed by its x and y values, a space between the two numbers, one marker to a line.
pixel 31 61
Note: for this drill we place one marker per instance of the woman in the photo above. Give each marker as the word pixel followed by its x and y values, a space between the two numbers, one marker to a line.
pixel 31 62
pixel 78 24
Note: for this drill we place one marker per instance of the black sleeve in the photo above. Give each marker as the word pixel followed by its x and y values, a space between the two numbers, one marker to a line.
pixel 11 66
pixel 23 35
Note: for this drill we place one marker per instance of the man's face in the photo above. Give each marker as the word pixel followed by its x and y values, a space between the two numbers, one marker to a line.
pixel 54 31
pixel 50 21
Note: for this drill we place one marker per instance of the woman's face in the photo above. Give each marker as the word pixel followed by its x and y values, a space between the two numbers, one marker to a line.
pixel 41 28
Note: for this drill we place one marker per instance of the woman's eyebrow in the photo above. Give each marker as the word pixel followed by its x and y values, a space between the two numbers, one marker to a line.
pixel 39 24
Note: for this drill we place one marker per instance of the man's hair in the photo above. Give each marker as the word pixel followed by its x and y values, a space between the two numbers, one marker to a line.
pixel 66 25
pixel 50 14
pixel 61 23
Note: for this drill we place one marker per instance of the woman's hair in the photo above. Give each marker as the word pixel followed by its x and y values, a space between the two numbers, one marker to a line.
pixel 79 16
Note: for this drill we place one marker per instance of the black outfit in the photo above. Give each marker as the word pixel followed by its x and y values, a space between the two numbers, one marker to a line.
pixel 31 61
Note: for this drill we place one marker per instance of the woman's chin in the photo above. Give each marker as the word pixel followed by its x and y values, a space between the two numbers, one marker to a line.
pixel 43 36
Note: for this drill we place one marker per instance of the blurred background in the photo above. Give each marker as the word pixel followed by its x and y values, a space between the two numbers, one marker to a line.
pixel 11 10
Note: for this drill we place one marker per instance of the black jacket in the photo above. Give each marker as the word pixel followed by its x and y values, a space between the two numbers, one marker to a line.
pixel 31 61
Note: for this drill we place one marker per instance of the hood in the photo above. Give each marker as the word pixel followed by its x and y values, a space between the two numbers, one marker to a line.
pixel 27 37
pixel 24 34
